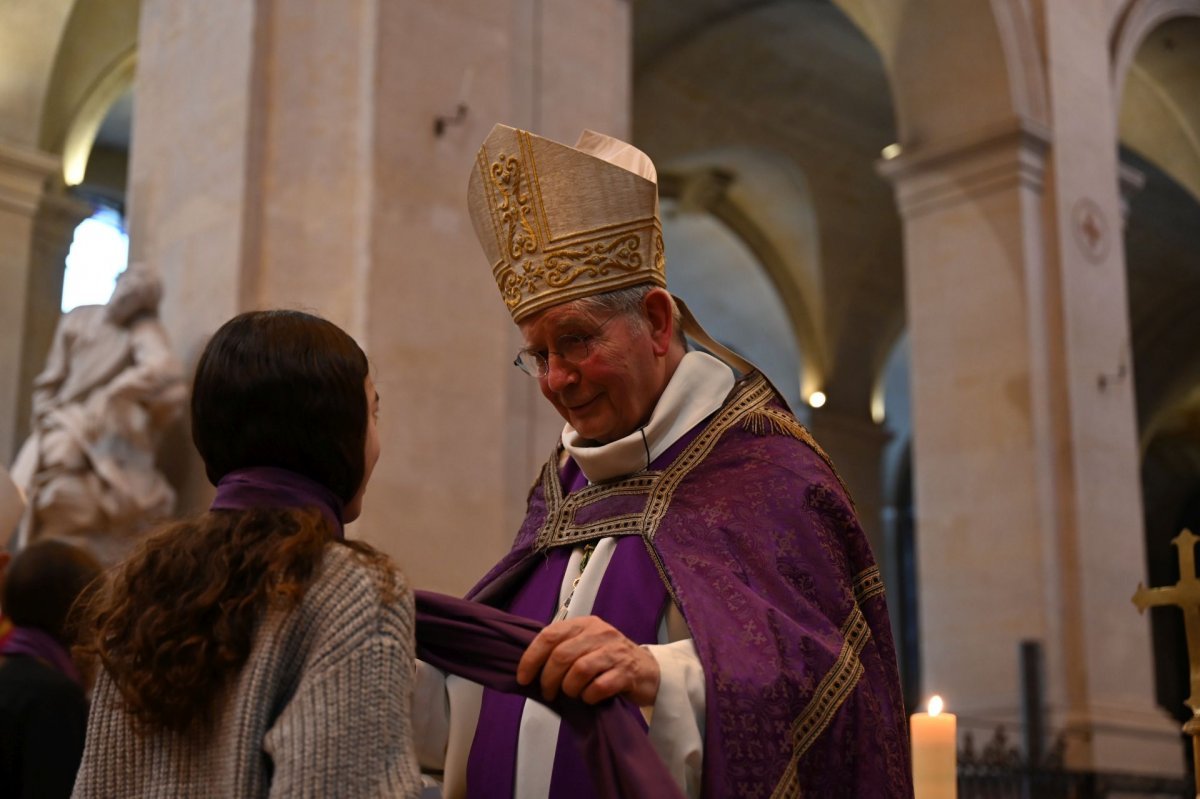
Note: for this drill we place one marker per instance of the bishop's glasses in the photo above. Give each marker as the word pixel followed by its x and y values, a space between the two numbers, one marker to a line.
pixel 574 348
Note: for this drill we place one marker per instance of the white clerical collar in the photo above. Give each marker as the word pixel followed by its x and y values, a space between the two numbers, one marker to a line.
pixel 698 387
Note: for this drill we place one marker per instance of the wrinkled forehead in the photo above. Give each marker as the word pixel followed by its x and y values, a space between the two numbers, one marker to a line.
pixel 569 317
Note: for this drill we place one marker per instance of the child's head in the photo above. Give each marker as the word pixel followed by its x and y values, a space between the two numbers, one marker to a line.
pixel 283 389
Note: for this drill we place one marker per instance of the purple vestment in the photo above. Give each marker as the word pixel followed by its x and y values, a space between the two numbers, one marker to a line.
pixel 744 524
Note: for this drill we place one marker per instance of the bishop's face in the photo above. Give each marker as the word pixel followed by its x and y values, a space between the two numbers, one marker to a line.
pixel 611 392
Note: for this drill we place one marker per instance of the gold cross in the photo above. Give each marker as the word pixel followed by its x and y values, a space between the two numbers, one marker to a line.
pixel 1186 595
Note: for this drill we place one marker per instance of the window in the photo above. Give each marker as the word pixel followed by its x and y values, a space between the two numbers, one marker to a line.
pixel 99 252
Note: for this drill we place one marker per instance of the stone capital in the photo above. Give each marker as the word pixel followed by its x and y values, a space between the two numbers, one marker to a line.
pixel 698 191
pixel 57 217
pixel 963 168
pixel 861 428
pixel 23 173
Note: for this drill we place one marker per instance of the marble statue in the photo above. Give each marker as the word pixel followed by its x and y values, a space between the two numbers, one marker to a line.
pixel 12 507
pixel 110 386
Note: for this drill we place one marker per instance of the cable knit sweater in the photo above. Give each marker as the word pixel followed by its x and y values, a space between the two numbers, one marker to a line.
pixel 321 707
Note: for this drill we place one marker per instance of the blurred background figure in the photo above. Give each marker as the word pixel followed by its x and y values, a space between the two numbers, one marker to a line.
pixel 43 709
pixel 12 505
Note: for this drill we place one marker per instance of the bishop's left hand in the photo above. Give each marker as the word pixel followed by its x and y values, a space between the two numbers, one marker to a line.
pixel 588 658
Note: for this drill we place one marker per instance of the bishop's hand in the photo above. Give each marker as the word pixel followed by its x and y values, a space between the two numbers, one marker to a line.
pixel 588 658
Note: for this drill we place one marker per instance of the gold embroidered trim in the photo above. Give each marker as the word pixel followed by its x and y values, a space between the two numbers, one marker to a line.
pixel 560 528
pixel 867 584
pixel 827 699
pixel 594 260
pixel 637 484
pixel 754 395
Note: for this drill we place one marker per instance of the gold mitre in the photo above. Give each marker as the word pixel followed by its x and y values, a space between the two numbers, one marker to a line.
pixel 559 223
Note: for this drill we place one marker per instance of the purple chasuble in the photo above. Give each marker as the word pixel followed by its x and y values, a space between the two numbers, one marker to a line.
pixel 272 487
pixel 759 546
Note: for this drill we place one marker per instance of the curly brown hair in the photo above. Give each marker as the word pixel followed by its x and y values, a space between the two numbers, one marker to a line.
pixel 175 623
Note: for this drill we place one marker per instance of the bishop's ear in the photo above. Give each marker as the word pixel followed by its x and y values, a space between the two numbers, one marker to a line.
pixel 662 321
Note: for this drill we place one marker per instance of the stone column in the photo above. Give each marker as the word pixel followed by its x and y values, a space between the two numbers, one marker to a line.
pixel 53 232
pixel 856 447
pixel 23 174
pixel 321 162
pixel 1109 679
pixel 1026 487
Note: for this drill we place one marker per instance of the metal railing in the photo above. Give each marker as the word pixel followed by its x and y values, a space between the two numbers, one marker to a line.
pixel 998 782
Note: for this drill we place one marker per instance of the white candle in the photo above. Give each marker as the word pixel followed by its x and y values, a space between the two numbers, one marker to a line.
pixel 934 753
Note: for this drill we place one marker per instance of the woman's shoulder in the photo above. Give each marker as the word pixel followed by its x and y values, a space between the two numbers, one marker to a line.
pixel 355 584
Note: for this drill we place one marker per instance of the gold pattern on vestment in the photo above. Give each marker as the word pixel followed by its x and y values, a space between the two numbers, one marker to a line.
pixel 835 687
pixel 561 527
pixel 868 584
pixel 754 394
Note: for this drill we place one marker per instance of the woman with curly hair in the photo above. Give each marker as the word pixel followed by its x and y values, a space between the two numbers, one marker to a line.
pixel 252 650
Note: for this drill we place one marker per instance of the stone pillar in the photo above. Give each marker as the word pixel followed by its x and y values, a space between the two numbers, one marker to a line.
pixel 1109 679
pixel 326 168
pixel 53 232
pixel 1026 486
pixel 856 445
pixel 23 174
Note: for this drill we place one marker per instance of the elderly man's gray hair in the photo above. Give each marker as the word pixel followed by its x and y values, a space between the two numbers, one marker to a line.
pixel 628 301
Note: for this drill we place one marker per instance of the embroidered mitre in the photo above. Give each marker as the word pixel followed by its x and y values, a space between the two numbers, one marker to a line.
pixel 558 223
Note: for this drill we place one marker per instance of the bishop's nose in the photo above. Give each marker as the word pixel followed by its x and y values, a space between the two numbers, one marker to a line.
pixel 559 373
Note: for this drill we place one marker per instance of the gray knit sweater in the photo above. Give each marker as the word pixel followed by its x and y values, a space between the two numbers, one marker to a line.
pixel 320 709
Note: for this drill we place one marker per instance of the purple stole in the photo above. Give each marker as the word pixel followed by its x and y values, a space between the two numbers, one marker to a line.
pixel 745 525
pixel 40 645
pixel 271 487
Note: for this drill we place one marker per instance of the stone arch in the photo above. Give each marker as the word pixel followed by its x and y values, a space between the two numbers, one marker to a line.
pixel 986 69
pixel 29 38
pixel 94 64
pixel 764 201
pixel 80 135
pixel 1136 21
pixel 1156 78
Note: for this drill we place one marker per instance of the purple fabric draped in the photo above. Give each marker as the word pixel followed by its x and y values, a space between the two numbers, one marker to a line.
pixel 35 643
pixel 484 644
pixel 272 487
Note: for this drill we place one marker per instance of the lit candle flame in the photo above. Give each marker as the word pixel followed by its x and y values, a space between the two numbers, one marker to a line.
pixel 935 705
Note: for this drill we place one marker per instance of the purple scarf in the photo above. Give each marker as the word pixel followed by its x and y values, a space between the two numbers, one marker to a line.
pixel 272 487
pixel 35 643
pixel 484 644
